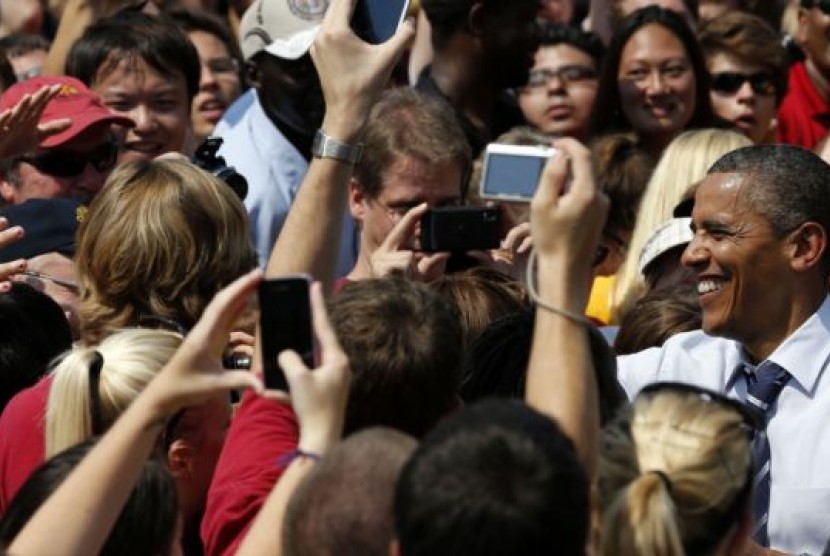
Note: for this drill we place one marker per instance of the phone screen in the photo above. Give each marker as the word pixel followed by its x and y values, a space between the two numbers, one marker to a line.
pixel 512 175
pixel 285 323
pixel 375 21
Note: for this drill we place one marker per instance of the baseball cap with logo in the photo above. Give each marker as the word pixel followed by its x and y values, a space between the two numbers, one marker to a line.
pixel 283 28
pixel 74 101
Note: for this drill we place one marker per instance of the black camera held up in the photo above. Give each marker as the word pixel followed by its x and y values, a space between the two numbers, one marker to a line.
pixel 206 158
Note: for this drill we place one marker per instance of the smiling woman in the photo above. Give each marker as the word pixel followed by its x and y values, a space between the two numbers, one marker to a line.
pixel 654 81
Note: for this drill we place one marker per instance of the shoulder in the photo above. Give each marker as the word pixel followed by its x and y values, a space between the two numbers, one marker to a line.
pixel 692 357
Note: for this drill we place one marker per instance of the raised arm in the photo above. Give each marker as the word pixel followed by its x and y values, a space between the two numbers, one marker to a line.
pixel 567 215
pixel 352 74
pixel 87 504
pixel 319 398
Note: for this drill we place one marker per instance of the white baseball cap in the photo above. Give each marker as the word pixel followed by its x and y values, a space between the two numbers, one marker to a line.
pixel 670 234
pixel 283 28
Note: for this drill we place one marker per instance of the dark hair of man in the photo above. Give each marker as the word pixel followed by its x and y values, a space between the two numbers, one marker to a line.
pixel 749 39
pixel 656 317
pixel 407 123
pixel 146 525
pixel 551 34
pixel 447 17
pixel 494 478
pixel 35 331
pixel 622 170
pixel 344 506
pixel 23 43
pixel 129 34
pixel 405 347
pixel 618 17
pixel 607 115
pixel 788 185
pixel 191 21
pixel 495 365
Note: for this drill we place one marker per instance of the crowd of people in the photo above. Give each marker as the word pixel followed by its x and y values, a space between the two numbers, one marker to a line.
pixel 636 368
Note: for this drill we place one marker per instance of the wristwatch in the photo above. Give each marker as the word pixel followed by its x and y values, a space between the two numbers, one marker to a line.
pixel 325 146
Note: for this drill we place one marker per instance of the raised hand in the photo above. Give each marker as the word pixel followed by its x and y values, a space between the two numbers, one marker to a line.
pixel 318 395
pixel 395 254
pixel 9 269
pixel 20 131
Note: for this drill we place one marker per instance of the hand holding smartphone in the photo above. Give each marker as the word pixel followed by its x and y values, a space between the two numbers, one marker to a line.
pixel 285 323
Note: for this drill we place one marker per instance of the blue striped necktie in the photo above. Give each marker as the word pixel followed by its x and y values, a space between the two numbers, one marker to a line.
pixel 763 387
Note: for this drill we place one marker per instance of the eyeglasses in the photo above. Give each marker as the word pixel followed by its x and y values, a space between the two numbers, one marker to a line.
pixel 567 74
pixel 68 284
pixel 222 65
pixel 70 164
pixel 729 83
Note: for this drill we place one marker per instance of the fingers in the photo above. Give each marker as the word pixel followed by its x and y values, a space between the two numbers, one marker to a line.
pixel 323 329
pixel 225 308
pixel 339 14
pixel 552 184
pixel 580 165
pixel 9 235
pixel 404 229
pixel 430 264
pixel 53 127
pixel 238 380
pixel 293 367
pixel 515 235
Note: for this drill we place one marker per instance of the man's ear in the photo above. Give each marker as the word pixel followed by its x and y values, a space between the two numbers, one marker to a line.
pixel 475 19
pixel 809 242
pixel 357 200
pixel 180 458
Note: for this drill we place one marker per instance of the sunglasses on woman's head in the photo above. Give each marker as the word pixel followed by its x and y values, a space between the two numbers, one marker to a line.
pixel 728 82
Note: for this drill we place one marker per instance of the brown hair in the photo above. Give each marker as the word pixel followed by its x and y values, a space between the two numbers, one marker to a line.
pixel 749 39
pixel 405 122
pixel 656 317
pixel 160 239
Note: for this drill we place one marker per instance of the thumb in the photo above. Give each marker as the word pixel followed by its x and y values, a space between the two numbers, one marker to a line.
pixel 293 367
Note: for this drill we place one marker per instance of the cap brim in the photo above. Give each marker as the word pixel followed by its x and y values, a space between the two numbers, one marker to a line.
pixel 295 46
pixel 80 124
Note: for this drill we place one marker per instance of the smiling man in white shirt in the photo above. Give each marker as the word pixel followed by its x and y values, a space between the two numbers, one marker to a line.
pixel 760 251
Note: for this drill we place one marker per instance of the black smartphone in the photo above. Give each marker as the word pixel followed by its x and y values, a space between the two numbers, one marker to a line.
pixel 375 21
pixel 459 229
pixel 285 323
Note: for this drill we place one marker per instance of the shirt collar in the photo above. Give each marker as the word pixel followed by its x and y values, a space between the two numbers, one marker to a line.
pixel 803 353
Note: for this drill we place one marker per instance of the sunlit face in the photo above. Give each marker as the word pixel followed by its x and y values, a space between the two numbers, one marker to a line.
pixel 218 85
pixel 560 93
pixel 28 65
pixel 157 103
pixel 406 184
pixel 749 109
pixel 34 177
pixel 739 264
pixel 657 84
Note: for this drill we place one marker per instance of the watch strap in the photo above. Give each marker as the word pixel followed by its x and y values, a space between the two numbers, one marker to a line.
pixel 325 146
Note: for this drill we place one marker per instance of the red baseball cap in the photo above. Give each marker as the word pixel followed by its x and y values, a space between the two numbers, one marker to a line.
pixel 74 101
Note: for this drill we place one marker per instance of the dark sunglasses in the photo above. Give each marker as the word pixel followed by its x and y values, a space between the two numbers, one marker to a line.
pixel 749 419
pixel 69 164
pixel 728 82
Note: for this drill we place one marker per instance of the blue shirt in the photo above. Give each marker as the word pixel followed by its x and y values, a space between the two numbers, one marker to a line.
pixel 799 425
pixel 274 170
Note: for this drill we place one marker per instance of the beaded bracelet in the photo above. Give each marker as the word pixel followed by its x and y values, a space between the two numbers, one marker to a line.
pixel 286 459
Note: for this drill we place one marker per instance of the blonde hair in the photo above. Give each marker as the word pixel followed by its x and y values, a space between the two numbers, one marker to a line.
pixel 160 239
pixel 674 477
pixel 684 162
pixel 131 358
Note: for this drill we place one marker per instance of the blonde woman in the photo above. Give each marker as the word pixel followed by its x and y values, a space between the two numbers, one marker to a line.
pixel 675 475
pixel 92 386
pixel 684 162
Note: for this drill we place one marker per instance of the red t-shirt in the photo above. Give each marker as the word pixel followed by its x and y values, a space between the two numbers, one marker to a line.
pixel 22 438
pixel 261 433
pixel 804 115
